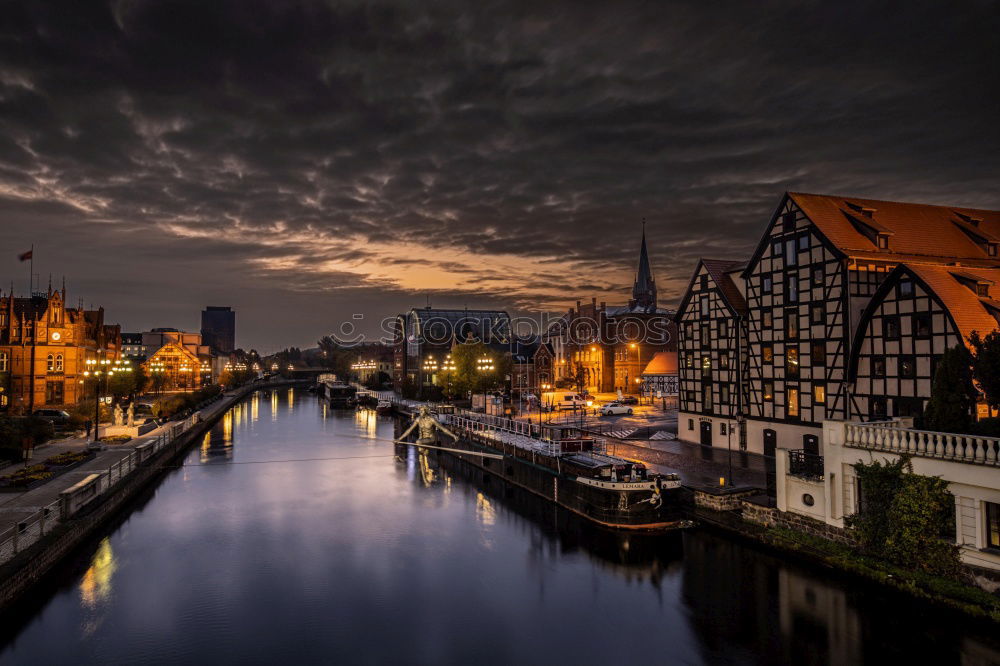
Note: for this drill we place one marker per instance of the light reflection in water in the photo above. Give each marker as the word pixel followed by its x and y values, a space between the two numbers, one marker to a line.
pixel 291 399
pixel 274 405
pixel 95 587
pixel 255 406
pixel 485 512
pixel 367 421
pixel 427 473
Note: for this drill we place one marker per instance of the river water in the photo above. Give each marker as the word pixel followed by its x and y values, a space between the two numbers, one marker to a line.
pixel 296 534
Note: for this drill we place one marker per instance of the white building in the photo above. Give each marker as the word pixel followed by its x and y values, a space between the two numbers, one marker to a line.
pixel 970 465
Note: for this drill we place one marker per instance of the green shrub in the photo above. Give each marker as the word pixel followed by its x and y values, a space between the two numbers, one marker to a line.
pixel 67 458
pixel 905 518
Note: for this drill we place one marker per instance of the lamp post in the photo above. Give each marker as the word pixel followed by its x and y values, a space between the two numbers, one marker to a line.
pixel 484 364
pixel 97 368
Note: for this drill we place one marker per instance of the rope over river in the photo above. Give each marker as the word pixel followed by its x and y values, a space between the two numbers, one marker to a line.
pixel 299 534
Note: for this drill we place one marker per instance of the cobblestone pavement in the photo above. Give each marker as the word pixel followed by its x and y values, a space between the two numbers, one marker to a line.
pixel 697 465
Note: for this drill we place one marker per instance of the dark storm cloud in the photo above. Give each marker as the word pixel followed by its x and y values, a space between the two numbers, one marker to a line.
pixel 295 156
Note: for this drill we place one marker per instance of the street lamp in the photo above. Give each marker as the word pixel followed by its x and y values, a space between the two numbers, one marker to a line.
pixel 97 368
pixel 484 364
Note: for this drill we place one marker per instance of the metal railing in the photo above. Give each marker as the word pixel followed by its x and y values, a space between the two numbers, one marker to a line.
pixel 25 533
pixel 804 464
pixel 924 443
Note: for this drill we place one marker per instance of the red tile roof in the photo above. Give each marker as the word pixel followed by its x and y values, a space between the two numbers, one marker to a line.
pixel 917 230
pixel 722 271
pixel 663 363
pixel 967 309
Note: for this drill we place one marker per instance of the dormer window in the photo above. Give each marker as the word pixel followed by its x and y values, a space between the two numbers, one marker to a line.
pixel 968 219
pixel 975 283
pixel 858 208
pixel 862 220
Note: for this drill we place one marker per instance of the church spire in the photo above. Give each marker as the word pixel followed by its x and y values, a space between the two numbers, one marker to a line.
pixel 644 289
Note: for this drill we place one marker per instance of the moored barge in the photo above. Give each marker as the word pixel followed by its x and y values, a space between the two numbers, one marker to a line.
pixel 571 469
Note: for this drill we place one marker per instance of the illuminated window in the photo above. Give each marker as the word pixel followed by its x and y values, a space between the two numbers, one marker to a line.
pixel 819 393
pixel 706 367
pixel 768 354
pixel 792 361
pixel 768 391
pixel 4 362
pixel 792 402
pixel 50 363
pixel 59 362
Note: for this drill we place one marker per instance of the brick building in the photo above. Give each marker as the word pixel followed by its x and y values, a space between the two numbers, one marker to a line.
pixel 44 349
pixel 610 346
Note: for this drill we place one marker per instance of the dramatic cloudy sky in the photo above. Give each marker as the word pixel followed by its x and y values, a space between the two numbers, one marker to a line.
pixel 308 161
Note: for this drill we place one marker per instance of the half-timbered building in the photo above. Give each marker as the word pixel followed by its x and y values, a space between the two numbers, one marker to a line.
pixel 712 327
pixel 824 321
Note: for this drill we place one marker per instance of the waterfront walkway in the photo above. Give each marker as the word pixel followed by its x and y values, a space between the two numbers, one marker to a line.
pixel 16 507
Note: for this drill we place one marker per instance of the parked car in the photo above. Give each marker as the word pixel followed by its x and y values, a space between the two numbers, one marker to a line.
pixel 629 400
pixel 614 409
pixel 56 417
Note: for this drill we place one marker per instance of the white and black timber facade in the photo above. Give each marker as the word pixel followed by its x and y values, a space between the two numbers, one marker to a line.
pixel 848 304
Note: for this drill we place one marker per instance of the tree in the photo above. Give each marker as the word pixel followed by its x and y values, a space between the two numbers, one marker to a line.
pixel 953 395
pixel 906 518
pixel 337 358
pixel 986 365
pixel 470 359
pixel 579 377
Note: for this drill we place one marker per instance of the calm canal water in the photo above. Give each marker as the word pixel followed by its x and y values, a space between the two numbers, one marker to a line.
pixel 296 534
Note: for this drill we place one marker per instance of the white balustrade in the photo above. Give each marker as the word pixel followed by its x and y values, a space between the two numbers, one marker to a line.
pixel 948 446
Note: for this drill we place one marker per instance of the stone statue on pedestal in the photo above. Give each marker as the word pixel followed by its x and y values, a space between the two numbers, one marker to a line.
pixel 131 415
pixel 118 416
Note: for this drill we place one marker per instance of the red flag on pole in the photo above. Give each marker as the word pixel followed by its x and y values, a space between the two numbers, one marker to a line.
pixel 25 256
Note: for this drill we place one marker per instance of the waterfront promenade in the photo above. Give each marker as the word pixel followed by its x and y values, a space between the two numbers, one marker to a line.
pixel 19 509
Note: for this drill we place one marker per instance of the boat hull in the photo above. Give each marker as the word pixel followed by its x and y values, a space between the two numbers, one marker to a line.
pixel 637 507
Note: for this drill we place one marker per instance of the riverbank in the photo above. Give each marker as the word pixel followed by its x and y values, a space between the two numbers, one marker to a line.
pixel 29 566
pixel 743 511
pixel 814 545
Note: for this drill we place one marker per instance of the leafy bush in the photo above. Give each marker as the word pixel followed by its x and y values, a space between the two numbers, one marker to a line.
pixel 26 475
pixel 67 458
pixel 903 516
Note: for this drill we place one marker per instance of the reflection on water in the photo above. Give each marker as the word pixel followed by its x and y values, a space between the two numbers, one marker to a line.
pixel 324 548
pixel 95 585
